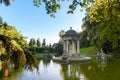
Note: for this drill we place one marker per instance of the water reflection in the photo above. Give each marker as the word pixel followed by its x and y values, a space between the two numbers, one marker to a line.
pixel 102 70
pixel 73 72
pixel 49 70
pixel 46 62
pixel 102 65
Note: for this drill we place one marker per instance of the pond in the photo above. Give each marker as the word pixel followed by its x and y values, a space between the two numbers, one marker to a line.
pixel 49 70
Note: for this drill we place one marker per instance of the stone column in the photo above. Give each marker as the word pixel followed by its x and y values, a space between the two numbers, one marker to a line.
pixel 64 47
pixel 73 47
pixel 78 47
pixel 70 46
pixel 67 46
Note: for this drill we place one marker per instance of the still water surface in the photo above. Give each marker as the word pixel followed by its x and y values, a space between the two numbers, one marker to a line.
pixel 49 70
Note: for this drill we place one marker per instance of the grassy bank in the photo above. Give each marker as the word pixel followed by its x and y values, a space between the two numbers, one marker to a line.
pixel 40 55
pixel 89 50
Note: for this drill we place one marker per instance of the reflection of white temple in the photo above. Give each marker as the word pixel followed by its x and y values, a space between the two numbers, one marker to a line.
pixel 71 42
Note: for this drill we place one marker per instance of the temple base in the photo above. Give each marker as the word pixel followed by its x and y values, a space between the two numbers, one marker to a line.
pixel 72 58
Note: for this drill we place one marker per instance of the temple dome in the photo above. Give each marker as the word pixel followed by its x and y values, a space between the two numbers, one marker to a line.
pixel 70 32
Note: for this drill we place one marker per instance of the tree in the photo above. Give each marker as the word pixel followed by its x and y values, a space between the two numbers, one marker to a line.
pixel 44 43
pixel 1 20
pixel 14 48
pixel 6 2
pixel 50 46
pixel 52 6
pixel 38 43
pixel 58 48
pixel 107 13
pixel 90 32
pixel 62 32
pixel 32 45
pixel 32 42
pixel 84 39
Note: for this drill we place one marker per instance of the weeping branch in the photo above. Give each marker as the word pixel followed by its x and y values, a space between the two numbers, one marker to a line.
pixel 16 55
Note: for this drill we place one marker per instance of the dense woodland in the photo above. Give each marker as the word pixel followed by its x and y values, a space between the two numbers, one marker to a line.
pixel 37 47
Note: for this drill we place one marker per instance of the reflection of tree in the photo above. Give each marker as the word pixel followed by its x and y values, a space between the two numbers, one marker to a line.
pixel 46 62
pixel 92 71
pixel 16 74
pixel 95 71
pixel 0 65
pixel 13 74
pixel 102 65
pixel 5 69
pixel 9 72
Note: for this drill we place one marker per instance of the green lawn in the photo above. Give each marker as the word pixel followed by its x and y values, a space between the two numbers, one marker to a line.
pixel 40 55
pixel 89 50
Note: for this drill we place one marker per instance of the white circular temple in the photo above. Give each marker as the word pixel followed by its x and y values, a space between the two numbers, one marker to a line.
pixel 71 42
pixel 71 48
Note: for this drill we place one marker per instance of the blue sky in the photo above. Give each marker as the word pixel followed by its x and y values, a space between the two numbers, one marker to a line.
pixel 33 22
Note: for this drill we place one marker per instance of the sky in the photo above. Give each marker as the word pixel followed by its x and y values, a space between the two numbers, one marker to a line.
pixel 34 22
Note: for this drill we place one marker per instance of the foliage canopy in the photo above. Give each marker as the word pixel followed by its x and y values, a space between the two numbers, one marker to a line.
pixel 13 48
